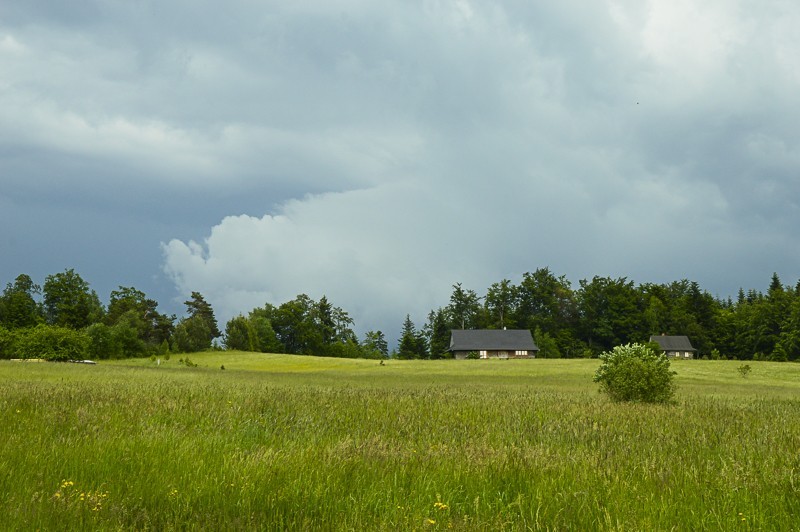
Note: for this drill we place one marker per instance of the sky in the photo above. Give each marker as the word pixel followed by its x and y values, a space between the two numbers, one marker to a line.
pixel 379 152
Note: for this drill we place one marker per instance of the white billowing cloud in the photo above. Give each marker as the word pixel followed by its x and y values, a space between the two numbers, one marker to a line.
pixel 370 251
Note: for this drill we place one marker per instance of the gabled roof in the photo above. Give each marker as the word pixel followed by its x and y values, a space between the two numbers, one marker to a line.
pixel 492 340
pixel 673 343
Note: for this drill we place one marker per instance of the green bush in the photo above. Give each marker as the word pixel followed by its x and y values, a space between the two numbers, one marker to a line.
pixel 548 346
pixel 7 339
pixel 240 335
pixel 53 343
pixel 191 335
pixel 635 372
pixel 117 341
pixel 101 342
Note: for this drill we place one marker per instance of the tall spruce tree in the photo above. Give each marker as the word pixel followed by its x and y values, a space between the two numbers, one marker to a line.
pixel 438 334
pixel 375 342
pixel 412 345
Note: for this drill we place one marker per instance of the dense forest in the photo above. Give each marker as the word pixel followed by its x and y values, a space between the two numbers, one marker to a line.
pixel 64 319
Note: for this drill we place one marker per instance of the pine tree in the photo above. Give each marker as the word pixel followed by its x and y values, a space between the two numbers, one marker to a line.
pixel 409 346
pixel 375 341
pixel 438 334
pixel 326 325
pixel 198 307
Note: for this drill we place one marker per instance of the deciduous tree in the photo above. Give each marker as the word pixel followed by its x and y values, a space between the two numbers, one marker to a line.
pixel 464 307
pixel 132 307
pixel 500 302
pixel 69 302
pixel 296 326
pixel 18 308
pixel 240 334
pixel 191 335
pixel 266 338
pixel 610 312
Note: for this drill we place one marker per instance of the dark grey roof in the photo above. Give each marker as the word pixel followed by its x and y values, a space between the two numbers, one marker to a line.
pixel 673 343
pixel 492 340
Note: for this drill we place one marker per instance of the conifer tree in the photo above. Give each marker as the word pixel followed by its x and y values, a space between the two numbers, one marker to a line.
pixel 198 307
pixel 411 343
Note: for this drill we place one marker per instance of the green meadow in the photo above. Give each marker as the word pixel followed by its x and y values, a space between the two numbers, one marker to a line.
pixel 276 442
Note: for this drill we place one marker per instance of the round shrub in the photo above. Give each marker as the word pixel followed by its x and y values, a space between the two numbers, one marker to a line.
pixel 636 372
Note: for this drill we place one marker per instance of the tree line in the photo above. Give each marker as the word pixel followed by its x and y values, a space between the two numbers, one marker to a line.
pixel 64 319
pixel 604 312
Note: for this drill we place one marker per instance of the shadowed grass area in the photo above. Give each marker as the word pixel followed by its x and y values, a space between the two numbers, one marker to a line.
pixel 290 442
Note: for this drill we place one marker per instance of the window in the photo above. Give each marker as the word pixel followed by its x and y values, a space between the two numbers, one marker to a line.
pixel 484 355
pixel 522 353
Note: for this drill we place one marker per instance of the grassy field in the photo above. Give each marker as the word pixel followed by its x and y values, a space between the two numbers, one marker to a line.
pixel 290 442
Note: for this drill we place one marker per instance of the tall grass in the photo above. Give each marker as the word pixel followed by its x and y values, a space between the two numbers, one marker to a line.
pixel 279 442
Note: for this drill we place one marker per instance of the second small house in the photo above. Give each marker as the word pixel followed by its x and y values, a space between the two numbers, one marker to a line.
pixel 492 343
pixel 675 346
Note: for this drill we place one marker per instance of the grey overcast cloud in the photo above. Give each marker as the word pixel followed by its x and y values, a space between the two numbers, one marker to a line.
pixel 378 152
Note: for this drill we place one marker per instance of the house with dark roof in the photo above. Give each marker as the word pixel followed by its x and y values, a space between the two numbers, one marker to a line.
pixel 492 343
pixel 675 346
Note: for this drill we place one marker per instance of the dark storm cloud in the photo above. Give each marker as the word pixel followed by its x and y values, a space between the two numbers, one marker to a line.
pixel 379 153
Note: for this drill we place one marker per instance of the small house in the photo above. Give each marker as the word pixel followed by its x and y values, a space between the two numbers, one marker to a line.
pixel 492 343
pixel 675 346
